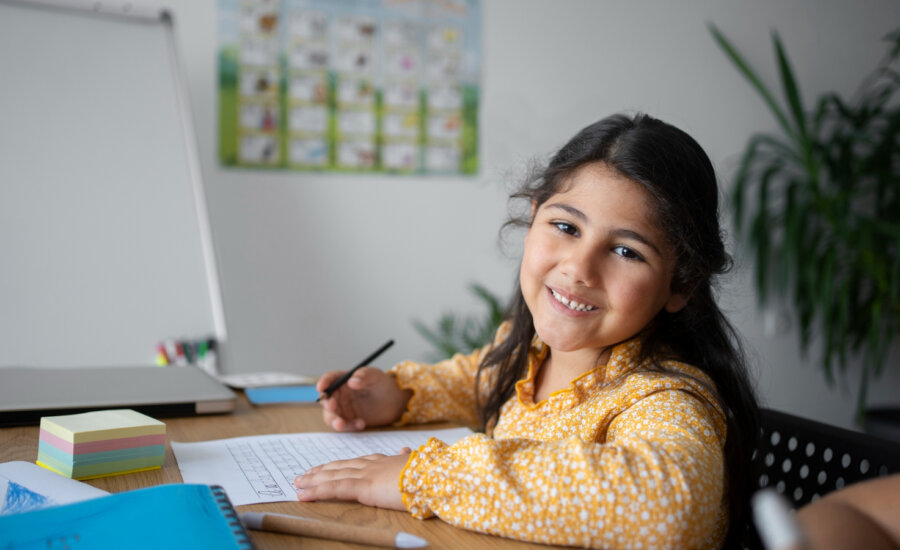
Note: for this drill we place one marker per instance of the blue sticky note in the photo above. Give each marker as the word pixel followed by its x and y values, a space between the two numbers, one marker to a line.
pixel 282 394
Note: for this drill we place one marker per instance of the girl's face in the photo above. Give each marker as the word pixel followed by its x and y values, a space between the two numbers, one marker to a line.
pixel 596 269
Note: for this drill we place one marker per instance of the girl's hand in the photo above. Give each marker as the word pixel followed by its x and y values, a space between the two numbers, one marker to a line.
pixel 371 480
pixel 369 398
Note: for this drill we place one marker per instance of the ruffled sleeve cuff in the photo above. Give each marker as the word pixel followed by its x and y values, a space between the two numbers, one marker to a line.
pixel 421 479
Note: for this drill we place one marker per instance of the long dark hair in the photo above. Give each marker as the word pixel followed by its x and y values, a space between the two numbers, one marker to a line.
pixel 677 173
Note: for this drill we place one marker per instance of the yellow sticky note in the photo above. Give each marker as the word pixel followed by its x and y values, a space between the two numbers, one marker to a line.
pixel 100 425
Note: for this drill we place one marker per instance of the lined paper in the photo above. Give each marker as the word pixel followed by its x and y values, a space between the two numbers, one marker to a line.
pixel 262 468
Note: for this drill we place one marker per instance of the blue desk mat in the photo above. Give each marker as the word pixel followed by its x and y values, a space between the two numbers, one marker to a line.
pixel 282 394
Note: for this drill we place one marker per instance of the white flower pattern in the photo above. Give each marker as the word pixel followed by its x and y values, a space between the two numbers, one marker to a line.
pixel 626 457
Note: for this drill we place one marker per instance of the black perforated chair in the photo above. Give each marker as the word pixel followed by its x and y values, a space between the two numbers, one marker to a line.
pixel 804 459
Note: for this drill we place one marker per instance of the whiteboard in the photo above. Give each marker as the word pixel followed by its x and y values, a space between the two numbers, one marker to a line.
pixel 105 246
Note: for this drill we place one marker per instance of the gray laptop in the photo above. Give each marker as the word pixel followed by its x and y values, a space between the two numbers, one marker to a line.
pixel 27 394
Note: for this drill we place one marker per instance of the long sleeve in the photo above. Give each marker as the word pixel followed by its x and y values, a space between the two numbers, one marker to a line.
pixel 441 392
pixel 444 392
pixel 652 478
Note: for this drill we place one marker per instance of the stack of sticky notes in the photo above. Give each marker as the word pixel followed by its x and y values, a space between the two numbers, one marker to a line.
pixel 101 443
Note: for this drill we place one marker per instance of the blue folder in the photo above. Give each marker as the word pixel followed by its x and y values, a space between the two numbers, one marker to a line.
pixel 162 517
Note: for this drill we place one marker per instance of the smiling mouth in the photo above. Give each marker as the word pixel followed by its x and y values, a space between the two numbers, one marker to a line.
pixel 571 304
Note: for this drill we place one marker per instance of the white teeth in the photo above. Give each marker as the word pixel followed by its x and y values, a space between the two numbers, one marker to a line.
pixel 571 304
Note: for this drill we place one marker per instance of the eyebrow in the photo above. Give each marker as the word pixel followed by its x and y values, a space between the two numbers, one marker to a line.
pixel 568 208
pixel 618 232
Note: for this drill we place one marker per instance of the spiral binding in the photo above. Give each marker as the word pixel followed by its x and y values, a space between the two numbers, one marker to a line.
pixel 237 528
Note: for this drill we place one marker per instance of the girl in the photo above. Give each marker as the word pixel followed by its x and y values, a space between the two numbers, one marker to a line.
pixel 614 402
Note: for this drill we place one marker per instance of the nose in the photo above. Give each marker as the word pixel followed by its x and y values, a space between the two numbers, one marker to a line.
pixel 582 265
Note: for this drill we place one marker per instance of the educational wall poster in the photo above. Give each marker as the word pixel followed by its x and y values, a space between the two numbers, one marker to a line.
pixel 388 86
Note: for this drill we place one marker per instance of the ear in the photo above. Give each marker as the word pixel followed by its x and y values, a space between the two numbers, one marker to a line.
pixel 675 303
pixel 533 209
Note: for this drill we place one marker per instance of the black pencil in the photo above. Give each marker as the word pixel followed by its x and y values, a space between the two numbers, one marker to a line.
pixel 343 379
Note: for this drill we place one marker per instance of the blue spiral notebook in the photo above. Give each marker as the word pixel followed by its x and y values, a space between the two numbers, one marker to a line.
pixel 167 516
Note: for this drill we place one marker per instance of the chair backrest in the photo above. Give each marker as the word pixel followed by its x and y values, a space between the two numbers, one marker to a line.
pixel 804 459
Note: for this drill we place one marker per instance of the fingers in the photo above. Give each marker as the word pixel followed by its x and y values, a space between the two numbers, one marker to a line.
pixel 326 379
pixel 353 404
pixel 364 377
pixel 339 424
pixel 339 410
pixel 338 489
pixel 337 465
pixel 347 410
pixel 370 480
pixel 360 379
pixel 338 480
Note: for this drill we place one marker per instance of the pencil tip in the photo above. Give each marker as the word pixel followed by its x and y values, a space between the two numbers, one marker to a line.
pixel 407 540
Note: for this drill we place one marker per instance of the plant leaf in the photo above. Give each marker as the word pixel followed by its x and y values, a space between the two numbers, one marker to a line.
pixel 791 92
pixel 745 69
pixel 453 334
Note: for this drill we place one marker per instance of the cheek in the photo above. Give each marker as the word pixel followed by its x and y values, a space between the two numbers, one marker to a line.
pixel 636 292
pixel 528 270
pixel 536 259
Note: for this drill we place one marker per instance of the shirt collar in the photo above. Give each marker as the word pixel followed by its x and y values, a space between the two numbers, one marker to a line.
pixel 622 359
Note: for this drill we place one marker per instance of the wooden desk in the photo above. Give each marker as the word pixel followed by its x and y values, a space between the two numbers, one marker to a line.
pixel 21 444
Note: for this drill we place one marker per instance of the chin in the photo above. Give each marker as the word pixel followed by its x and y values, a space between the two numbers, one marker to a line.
pixel 560 342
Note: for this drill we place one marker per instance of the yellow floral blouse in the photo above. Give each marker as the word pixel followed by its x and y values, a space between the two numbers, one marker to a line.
pixel 623 458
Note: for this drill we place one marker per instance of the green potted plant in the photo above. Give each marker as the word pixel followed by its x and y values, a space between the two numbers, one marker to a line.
pixel 818 205
pixel 454 334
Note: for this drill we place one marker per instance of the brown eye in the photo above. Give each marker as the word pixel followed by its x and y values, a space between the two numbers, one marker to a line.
pixel 566 228
pixel 627 253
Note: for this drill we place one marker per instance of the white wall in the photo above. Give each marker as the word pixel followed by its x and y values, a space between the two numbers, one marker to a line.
pixel 319 269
